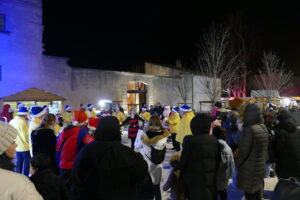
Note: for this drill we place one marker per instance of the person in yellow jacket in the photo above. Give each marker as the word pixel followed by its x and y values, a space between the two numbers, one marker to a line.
pixel 119 115
pixel 145 114
pixel 37 114
pixel 173 122
pixel 22 141
pixel 184 128
pixel 68 115
pixel 90 112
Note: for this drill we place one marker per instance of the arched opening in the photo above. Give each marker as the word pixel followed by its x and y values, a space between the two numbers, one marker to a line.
pixel 136 94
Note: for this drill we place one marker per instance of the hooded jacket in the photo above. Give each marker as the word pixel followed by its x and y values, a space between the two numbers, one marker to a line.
pixel 50 186
pixel 22 139
pixel 106 169
pixel 184 126
pixel 253 146
pixel 200 160
pixel 69 143
pixel 286 147
pixel 174 121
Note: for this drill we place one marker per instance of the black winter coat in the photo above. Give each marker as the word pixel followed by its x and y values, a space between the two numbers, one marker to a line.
pixel 50 186
pixel 108 170
pixel 253 146
pixel 286 148
pixel 199 164
pixel 44 141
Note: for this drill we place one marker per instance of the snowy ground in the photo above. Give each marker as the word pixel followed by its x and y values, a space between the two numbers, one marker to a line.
pixel 269 182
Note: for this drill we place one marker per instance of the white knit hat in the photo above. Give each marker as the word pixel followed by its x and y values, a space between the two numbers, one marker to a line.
pixel 7 136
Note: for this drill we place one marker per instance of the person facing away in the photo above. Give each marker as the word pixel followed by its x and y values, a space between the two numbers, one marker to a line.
pixel 184 128
pixel 13 186
pixel 47 183
pixel 106 169
pixel 23 154
pixel 70 142
pixel 43 140
pixel 200 160
pixel 153 139
pixel 37 114
pixel 133 121
pixel 286 146
pixel 226 168
pixel 253 149
pixel 174 181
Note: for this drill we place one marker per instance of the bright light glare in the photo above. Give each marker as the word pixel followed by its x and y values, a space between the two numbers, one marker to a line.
pixel 287 101
pixel 103 102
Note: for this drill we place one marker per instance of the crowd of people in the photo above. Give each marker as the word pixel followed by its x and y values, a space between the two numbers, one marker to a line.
pixel 79 155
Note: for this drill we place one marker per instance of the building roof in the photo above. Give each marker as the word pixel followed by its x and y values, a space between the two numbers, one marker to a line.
pixel 33 94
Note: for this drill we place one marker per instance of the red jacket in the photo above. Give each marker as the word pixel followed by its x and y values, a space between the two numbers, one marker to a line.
pixel 69 143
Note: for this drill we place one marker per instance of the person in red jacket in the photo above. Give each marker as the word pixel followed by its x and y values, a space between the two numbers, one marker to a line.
pixel 69 143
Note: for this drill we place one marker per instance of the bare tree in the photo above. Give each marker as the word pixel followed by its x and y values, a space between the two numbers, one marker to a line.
pixel 184 85
pixel 272 76
pixel 215 62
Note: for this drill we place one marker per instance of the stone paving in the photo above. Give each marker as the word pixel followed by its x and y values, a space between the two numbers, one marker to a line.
pixel 269 182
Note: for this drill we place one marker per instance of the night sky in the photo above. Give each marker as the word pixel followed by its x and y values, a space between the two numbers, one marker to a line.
pixel 121 35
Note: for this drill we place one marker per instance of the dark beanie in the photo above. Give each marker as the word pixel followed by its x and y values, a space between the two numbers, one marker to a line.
pixel 108 129
pixel 218 104
pixel 200 124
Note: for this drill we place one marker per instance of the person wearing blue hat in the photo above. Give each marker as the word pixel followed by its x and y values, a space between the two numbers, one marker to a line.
pixel 145 114
pixel 37 113
pixel 19 106
pixel 184 128
pixel 22 141
pixel 90 112
pixel 173 122
pixel 68 115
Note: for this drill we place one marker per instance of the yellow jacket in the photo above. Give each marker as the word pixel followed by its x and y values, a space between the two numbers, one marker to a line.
pixel 68 117
pixel 184 126
pixel 121 116
pixel 146 116
pixel 91 114
pixel 173 122
pixel 22 139
pixel 57 129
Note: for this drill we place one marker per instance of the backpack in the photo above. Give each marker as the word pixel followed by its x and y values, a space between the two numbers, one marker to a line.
pixel 157 156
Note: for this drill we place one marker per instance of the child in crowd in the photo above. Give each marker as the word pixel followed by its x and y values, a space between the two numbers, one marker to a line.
pixel 226 168
pixel 50 186
pixel 174 181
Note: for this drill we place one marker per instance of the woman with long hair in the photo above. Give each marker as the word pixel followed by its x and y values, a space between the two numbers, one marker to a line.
pixel 44 140
pixel 151 142
pixel 12 185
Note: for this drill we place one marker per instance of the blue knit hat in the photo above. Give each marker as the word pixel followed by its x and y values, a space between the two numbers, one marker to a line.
pixel 185 108
pixel 20 105
pixel 68 108
pixel 38 111
pixel 23 111
pixel 90 106
pixel 175 109
pixel 144 108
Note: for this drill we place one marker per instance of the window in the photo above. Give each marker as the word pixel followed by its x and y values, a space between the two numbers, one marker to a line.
pixel 2 23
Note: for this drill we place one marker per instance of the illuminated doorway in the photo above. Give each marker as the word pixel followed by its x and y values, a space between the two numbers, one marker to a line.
pixel 136 95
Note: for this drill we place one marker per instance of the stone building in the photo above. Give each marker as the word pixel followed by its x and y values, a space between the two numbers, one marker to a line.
pixel 23 66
